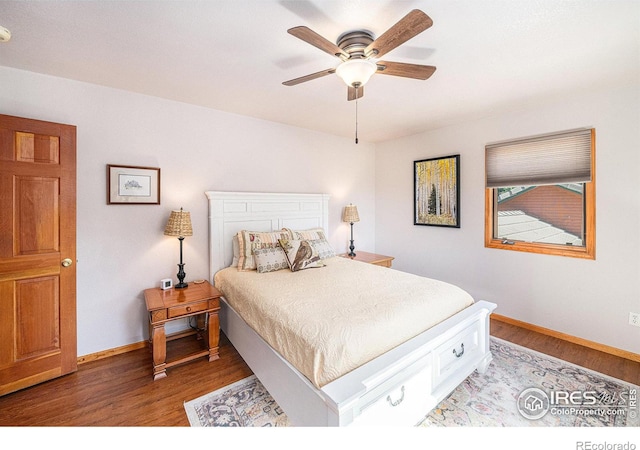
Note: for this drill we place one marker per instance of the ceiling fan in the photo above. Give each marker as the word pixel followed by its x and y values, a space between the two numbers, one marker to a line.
pixel 359 53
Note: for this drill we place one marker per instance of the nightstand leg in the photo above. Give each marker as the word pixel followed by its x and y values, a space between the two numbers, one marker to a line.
pixel 200 325
pixel 213 335
pixel 159 347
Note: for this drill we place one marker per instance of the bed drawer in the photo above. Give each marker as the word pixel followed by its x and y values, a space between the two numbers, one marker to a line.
pixel 457 353
pixel 400 404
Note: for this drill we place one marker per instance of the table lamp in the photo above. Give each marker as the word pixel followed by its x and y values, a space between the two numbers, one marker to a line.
pixel 179 224
pixel 350 215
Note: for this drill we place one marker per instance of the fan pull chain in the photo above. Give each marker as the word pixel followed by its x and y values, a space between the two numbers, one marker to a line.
pixel 357 114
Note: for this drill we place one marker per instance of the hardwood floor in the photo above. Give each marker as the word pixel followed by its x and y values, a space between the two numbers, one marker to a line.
pixel 615 366
pixel 119 390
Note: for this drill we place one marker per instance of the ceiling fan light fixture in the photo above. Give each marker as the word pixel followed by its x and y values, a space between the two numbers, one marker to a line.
pixel 5 35
pixel 356 72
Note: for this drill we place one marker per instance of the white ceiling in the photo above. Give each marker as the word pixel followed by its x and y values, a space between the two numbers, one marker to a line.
pixel 233 55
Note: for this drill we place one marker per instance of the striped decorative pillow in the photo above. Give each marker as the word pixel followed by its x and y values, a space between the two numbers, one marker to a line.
pixel 249 241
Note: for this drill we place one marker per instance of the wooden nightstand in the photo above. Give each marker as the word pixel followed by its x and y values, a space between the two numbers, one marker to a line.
pixel 202 300
pixel 371 258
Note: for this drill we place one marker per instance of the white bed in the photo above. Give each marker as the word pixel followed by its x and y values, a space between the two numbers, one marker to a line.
pixel 399 387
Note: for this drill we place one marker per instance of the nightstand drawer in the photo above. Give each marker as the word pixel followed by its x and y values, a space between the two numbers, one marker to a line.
pixel 188 309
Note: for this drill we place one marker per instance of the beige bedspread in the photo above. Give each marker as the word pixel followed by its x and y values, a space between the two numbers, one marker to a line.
pixel 327 321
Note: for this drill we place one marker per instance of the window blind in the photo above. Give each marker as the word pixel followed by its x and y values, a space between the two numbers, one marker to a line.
pixel 557 158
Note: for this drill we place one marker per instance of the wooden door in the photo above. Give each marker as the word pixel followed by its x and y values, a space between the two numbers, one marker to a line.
pixel 37 252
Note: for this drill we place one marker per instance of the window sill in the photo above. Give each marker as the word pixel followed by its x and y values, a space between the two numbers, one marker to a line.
pixel 544 249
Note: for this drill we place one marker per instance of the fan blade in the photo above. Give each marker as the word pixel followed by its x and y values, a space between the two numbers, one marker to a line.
pixel 416 71
pixel 309 77
pixel 409 26
pixel 353 93
pixel 313 38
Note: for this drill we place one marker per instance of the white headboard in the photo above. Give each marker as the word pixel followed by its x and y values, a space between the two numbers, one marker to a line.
pixel 230 212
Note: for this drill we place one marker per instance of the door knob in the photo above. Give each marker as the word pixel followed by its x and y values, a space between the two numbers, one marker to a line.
pixel 66 262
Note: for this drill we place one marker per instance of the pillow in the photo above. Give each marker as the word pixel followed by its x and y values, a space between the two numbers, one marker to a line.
pixel 323 248
pixel 300 254
pixel 317 238
pixel 310 234
pixel 270 259
pixel 249 241
pixel 236 251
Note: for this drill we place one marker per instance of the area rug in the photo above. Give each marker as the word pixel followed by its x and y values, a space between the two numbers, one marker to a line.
pixel 245 403
pixel 523 387
pixel 520 388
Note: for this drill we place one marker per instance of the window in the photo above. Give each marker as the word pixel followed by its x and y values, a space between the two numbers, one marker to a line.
pixel 540 194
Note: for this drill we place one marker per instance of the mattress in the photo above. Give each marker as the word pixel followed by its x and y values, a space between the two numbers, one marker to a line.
pixel 330 320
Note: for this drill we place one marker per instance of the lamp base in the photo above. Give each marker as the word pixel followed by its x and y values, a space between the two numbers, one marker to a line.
pixel 181 284
pixel 351 248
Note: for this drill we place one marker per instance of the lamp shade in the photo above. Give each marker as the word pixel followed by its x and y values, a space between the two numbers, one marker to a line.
pixel 350 214
pixel 179 224
pixel 356 72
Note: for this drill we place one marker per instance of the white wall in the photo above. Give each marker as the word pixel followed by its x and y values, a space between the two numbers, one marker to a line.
pixel 121 248
pixel 584 298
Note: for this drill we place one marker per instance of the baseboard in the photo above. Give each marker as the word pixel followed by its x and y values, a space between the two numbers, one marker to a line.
pixel 130 347
pixel 500 318
pixel 569 338
pixel 112 352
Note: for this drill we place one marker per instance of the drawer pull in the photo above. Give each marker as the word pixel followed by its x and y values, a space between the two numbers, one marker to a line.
pixel 458 355
pixel 188 308
pixel 396 402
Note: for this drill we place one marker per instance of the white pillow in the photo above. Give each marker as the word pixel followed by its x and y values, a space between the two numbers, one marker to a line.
pixel 310 234
pixel 270 259
pixel 323 248
pixel 236 251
